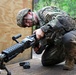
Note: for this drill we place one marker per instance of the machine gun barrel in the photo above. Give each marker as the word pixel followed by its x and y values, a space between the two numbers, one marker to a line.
pixel 11 52
pixel 14 50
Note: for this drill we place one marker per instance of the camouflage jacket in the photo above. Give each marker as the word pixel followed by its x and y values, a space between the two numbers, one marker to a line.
pixel 53 24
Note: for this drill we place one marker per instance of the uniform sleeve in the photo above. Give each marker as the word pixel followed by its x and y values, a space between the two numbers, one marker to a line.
pixel 52 25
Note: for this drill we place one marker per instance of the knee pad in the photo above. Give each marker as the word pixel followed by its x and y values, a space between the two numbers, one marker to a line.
pixel 67 38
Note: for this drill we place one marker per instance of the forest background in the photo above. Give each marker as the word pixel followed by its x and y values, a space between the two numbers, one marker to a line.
pixel 68 6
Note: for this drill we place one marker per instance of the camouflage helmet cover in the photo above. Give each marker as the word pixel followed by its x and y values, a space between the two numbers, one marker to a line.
pixel 20 16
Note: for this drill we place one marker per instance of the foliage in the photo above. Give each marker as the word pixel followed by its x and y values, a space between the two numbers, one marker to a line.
pixel 67 5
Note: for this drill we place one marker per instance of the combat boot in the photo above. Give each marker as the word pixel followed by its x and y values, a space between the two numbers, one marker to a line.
pixel 75 52
pixel 70 55
pixel 69 60
pixel 69 64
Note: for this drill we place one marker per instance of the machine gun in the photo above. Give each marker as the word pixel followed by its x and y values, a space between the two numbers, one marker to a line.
pixel 11 52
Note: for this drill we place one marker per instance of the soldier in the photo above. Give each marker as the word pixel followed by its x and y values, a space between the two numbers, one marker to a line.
pixel 56 33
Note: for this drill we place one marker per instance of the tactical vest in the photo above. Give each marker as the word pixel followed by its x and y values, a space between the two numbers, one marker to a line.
pixel 47 15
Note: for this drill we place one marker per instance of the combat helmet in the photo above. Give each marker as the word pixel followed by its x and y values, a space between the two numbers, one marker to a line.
pixel 20 16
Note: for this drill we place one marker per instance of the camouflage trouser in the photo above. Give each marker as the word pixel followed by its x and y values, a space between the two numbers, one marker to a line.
pixel 66 48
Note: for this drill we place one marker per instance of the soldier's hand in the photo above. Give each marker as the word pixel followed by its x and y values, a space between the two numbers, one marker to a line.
pixel 36 49
pixel 39 33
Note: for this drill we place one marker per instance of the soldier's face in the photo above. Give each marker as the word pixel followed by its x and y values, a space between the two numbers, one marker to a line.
pixel 27 21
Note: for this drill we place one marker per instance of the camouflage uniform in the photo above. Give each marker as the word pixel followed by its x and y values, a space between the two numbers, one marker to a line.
pixel 60 36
